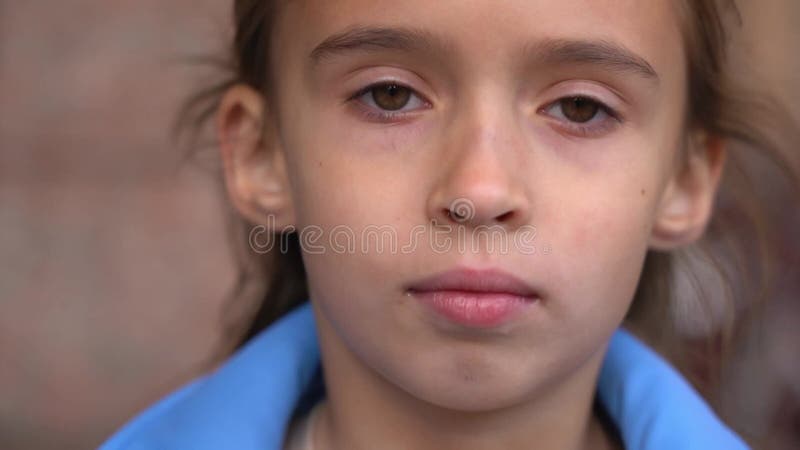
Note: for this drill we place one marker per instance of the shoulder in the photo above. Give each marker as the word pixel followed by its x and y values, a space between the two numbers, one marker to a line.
pixel 137 432
pixel 245 404
pixel 653 406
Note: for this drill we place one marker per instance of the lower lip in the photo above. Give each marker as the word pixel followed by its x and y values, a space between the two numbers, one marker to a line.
pixel 475 309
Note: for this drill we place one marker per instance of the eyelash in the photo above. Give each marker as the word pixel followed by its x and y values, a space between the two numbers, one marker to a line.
pixel 383 116
pixel 578 129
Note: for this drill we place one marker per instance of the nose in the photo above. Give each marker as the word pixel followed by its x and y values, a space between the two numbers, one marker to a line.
pixel 482 175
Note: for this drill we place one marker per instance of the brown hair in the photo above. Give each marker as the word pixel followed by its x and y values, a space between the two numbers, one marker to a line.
pixel 735 254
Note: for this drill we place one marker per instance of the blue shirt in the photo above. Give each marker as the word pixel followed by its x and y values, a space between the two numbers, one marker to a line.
pixel 247 403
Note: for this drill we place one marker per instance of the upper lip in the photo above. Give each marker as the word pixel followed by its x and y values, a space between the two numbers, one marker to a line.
pixel 475 280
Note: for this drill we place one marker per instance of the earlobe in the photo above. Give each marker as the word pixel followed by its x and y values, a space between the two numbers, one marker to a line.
pixel 688 201
pixel 254 163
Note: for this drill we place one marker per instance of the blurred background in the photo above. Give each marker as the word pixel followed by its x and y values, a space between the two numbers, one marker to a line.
pixel 113 250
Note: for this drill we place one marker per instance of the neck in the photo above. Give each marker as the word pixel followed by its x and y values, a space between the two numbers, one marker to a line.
pixel 365 411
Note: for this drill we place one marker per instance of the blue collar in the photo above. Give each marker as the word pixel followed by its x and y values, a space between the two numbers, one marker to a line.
pixel 247 403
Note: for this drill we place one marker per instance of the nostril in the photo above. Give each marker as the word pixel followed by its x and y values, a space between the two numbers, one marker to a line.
pixel 453 215
pixel 446 213
pixel 459 217
pixel 505 217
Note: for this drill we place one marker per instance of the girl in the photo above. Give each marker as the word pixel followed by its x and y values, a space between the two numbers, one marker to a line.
pixel 473 195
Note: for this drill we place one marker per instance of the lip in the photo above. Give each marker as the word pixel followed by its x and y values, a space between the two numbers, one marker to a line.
pixel 475 298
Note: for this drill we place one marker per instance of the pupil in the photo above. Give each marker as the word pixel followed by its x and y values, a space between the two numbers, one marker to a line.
pixel 580 109
pixel 391 97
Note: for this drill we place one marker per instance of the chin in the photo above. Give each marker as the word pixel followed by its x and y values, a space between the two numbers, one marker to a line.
pixel 469 384
pixel 473 398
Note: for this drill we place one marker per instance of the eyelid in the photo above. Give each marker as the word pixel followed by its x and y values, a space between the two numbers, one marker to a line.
pixel 384 82
pixel 594 90
pixel 588 129
pixel 603 105
pixel 378 115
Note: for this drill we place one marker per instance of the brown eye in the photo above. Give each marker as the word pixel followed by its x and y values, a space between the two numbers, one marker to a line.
pixel 579 109
pixel 391 97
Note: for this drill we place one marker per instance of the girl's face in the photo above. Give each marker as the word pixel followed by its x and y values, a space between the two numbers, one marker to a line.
pixel 555 127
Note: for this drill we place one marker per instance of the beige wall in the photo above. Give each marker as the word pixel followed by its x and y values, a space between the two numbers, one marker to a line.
pixel 113 259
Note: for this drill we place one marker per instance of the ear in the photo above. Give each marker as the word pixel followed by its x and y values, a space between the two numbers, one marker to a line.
pixel 688 201
pixel 253 160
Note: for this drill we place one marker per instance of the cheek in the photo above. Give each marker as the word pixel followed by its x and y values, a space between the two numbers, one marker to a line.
pixel 609 229
pixel 598 259
pixel 344 176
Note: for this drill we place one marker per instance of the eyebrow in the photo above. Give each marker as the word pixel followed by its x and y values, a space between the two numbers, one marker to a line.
pixel 603 53
pixel 376 38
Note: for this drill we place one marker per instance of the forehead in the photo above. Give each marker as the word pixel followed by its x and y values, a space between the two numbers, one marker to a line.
pixel 489 28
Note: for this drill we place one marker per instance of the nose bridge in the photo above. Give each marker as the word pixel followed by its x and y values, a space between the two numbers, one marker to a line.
pixel 483 118
pixel 482 154
pixel 482 133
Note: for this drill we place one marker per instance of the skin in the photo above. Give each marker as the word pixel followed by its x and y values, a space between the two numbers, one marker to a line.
pixel 481 126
